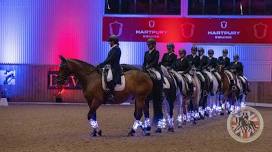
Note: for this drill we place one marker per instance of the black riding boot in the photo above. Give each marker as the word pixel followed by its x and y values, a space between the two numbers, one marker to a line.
pixel 109 93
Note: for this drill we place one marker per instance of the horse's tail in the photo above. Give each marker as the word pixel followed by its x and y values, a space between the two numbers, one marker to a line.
pixel 128 67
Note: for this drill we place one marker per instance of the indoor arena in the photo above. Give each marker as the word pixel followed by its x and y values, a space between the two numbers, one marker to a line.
pixel 135 75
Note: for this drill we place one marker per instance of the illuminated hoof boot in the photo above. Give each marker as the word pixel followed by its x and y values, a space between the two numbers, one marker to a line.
pixel 131 133
pixel 158 130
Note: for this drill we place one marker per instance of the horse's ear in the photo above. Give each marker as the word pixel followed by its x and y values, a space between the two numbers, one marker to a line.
pixel 62 59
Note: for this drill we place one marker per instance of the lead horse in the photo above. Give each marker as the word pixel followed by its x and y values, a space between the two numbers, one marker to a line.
pixel 137 84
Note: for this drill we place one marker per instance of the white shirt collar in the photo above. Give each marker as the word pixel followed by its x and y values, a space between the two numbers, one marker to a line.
pixel 150 51
pixel 114 46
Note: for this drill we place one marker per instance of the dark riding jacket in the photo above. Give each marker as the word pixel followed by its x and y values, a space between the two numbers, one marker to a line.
pixel 151 60
pixel 193 60
pixel 168 59
pixel 113 59
pixel 224 62
pixel 182 65
pixel 237 67
pixel 212 62
pixel 203 62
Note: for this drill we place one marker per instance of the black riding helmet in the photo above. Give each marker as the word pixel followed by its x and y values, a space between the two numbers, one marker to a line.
pixel 113 38
pixel 236 57
pixel 210 51
pixel 151 41
pixel 225 51
pixel 182 51
pixel 201 50
pixel 170 45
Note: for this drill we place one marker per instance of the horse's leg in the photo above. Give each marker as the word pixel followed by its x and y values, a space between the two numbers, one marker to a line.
pixel 147 122
pixel 92 117
pixel 139 106
pixel 179 109
pixel 170 119
pixel 157 108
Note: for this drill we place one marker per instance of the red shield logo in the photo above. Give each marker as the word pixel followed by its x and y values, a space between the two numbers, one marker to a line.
pixel 116 28
pixel 260 30
pixel 187 30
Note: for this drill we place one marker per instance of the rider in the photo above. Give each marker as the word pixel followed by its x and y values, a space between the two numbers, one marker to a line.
pixel 170 57
pixel 224 61
pixel 212 65
pixel 193 57
pixel 182 64
pixel 113 59
pixel 212 61
pixel 238 69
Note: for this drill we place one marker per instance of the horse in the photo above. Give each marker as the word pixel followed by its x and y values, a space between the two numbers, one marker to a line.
pixel 188 103
pixel 156 96
pixel 229 91
pixel 170 95
pixel 137 85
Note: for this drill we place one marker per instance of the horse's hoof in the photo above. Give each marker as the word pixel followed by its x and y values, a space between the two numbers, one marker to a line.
pixel 147 133
pixel 158 130
pixel 194 122
pixel 222 114
pixel 171 129
pixel 100 133
pixel 131 133
pixel 179 125
pixel 94 133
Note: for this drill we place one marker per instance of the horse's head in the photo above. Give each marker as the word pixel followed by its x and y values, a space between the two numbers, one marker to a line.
pixel 64 71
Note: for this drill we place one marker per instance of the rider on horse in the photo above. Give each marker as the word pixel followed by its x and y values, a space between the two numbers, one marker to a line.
pixel 203 65
pixel 152 67
pixel 238 69
pixel 182 64
pixel 113 60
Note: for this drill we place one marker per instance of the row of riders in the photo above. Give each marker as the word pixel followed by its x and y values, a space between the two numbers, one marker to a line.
pixel 188 80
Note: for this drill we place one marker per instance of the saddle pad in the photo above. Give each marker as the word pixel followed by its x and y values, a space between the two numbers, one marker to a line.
pixel 118 87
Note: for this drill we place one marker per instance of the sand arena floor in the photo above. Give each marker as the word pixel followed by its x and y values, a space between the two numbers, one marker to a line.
pixel 64 128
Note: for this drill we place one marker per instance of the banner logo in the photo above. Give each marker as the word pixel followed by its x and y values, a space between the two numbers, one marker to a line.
pixel 151 23
pixel 260 30
pixel 245 125
pixel 187 30
pixel 116 28
pixel 224 24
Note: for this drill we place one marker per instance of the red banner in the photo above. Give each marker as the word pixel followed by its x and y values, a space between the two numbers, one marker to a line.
pixel 195 30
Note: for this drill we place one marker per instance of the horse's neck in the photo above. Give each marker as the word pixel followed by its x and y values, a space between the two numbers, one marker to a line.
pixel 83 73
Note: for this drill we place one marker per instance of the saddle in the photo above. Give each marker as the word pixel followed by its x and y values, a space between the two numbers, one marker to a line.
pixel 107 77
pixel 154 74
pixel 184 81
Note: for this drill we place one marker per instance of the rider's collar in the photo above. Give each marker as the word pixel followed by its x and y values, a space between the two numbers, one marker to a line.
pixel 150 51
pixel 114 46
pixel 194 55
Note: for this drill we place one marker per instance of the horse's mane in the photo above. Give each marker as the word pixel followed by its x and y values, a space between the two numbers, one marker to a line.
pixel 86 66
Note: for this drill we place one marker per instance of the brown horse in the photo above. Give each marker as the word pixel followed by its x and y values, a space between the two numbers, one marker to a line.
pixel 137 85
pixel 230 91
